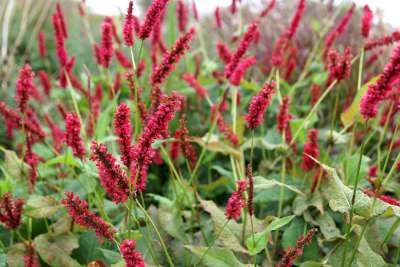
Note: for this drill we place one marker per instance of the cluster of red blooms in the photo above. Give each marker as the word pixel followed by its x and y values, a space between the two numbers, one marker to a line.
pixel 339 29
pixel 283 115
pixel 128 26
pixel 195 84
pixel 182 13
pixel 378 91
pixel 188 150
pixel 170 58
pixel 42 44
pixel 73 135
pixel 386 40
pixel 291 254
pixel 258 105
pixel 106 49
pixel 123 129
pixel 236 201
pixel 339 65
pixel 240 71
pixel 44 80
pixel 217 16
pixel 78 209
pixel 30 257
pixel 24 87
pixel 132 257
pixel 32 160
pixel 60 34
pixel 250 199
pixel 112 177
pixel 157 123
pixel 56 133
pixel 11 211
pixel 122 59
pixel 387 199
pixel 223 52
pixel 268 8
pixel 283 41
pixel 366 21
pixel 310 149
pixel 247 39
pixel 152 17
pixel 226 130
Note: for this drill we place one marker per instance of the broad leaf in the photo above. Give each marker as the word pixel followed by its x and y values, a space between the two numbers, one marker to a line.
pixel 216 257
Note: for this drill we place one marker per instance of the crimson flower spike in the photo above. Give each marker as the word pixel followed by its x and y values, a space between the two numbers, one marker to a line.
pixel 386 40
pixel 223 52
pixel 170 58
pixel 339 29
pixel 157 124
pixel 106 43
pixel 123 129
pixel 379 90
pixel 366 21
pixel 194 10
pixel 243 46
pixel 195 84
pixel 122 59
pixel 217 16
pixel 11 211
pixel 73 135
pixel 283 115
pixel 45 81
pixel 182 13
pixel 236 201
pixel 339 65
pixel 78 209
pixel 61 18
pixel 240 71
pixel 258 105
pixel 250 199
pixel 128 26
pixel 42 44
pixel 112 177
pixel 268 8
pixel 59 40
pixel 310 149
pixel 296 19
pixel 152 16
pixel 132 257
pixel 24 87
pixel 30 257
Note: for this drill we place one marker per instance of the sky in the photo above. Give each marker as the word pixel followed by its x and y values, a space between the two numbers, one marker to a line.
pixel 390 8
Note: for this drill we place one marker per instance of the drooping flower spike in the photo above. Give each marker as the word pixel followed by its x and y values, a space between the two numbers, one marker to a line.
pixel 386 40
pixel 236 202
pixel 73 135
pixel 151 18
pixel 366 21
pixel 182 13
pixel 123 130
pixel 128 26
pixel 311 149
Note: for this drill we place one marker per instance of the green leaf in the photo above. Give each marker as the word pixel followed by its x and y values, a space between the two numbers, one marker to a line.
pixel 171 222
pixel 261 183
pixel 279 223
pixel 350 165
pixel 41 207
pixel 302 202
pixel 13 165
pixel 257 242
pixel 110 256
pixel 55 250
pixel 220 257
pixel 320 78
pixel 67 158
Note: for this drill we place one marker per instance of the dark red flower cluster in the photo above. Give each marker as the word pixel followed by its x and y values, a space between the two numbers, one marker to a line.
pixel 61 17
pixel 30 257
pixel 186 146
pixel 182 14
pixel 366 21
pixel 106 43
pixel 233 7
pixel 122 59
pixel 195 84
pixel 315 93
pixel 112 177
pixel 291 254
pixel 157 124
pixel 240 71
pixel 32 160
pixel 339 64
pixel 170 58
pixel 258 105
pixel 236 201
pixel 152 17
pixel 241 50
pixel 73 135
pixel 24 87
pixel 283 115
pixel 42 44
pixel 56 133
pixel 226 130
pixel 294 24
pixel 268 8
pixel 194 10
pixel 217 16
pixel 97 53
pixel 128 26
pixel 378 91
pixel 59 37
pixel 132 257
pixel 78 209
pixel 339 28
pixel 386 40
pixel 223 52
pixel 250 199
pixel 310 149
pixel 45 81
pixel 11 210
pixel 123 129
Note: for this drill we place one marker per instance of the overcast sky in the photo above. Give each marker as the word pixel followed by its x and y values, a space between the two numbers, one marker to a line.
pixel 391 8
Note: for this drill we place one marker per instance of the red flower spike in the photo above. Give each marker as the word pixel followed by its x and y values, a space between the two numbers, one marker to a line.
pixel 223 52
pixel 243 46
pixel 236 202
pixel 339 65
pixel 315 93
pixel 123 129
pixel 386 40
pixel 59 40
pixel 240 71
pixel 339 29
pixel 32 160
pixel 296 19
pixel 56 133
pixel 11 211
pixel 258 105
pixel 42 44
pixel 283 115
pixel 152 16
pixel 73 135
pixel 226 130
pixel 30 257
pixel 61 17
pixel 379 90
pixel 122 59
pixel 217 16
pixel 268 8
pixel 194 10
pixel 170 58
pixel 44 80
pixel 366 21
pixel 78 209
pixel 128 26
pixel 112 177
pixel 182 13
pixel 24 87
pixel 132 257
pixel 250 199
pixel 97 53
pixel 106 43
pixel 310 149
pixel 195 84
